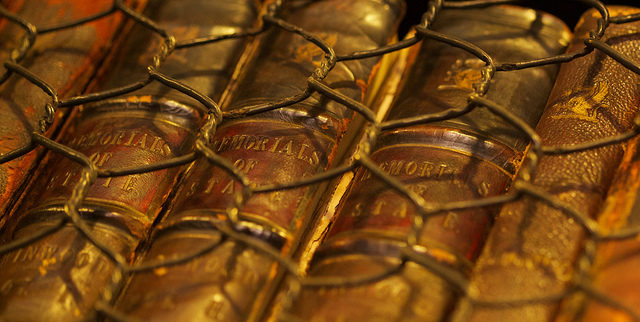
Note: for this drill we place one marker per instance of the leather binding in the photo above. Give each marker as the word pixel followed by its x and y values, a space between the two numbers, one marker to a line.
pixel 468 157
pixel 532 248
pixel 60 277
pixel 65 59
pixel 280 146
pixel 612 270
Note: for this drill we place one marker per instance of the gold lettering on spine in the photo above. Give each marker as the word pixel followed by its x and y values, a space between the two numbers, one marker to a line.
pixel 99 158
pixel 426 169
pixel 117 139
pixel 410 168
pixel 451 220
pixel 288 148
pixel 142 142
pixel 483 190
pixel 357 210
pixel 128 185
pixel 130 140
pixel 210 184
pixel 228 188
pixel 377 207
pixel 401 212
pixel 67 178
pixel 262 146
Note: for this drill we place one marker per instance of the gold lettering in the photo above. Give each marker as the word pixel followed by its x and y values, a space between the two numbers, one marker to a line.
pixel 301 152
pixel 249 142
pixel 99 158
pixel 192 189
pixel 229 187
pixel 156 146
pixel 262 145
pixel 93 138
pixel 117 139
pixel 377 207
pixel 128 185
pixel 250 165
pixel 288 149
pixel 401 212
pixel 275 144
pixel 357 210
pixel 451 220
pixel 239 164
pixel 442 167
pixel 52 182
pixel 483 190
pixel 426 169
pixel 82 140
pixel 410 168
pixel 167 149
pixel 210 184
pixel 236 142
pixel 224 143
pixel 133 134
pixel 315 158
pixel 67 177
pixel 107 182
pixel 104 140
pixel 142 142
pixel 395 167
pixel 73 142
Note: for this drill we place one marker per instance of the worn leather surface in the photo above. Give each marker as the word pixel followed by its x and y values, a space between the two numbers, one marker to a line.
pixel 532 247
pixel 274 147
pixel 465 158
pixel 613 270
pixel 56 279
pixel 65 59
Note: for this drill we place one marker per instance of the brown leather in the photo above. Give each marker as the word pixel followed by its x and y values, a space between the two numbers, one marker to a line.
pixel 614 267
pixel 274 147
pixel 532 247
pixel 466 158
pixel 60 277
pixel 65 59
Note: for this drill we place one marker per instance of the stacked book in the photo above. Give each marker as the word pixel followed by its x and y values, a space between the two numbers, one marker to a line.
pixel 318 160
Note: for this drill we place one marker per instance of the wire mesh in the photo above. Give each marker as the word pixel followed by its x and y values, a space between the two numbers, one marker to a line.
pixel 270 20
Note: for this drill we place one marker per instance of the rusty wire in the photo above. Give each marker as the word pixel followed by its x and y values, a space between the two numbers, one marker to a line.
pixel 228 230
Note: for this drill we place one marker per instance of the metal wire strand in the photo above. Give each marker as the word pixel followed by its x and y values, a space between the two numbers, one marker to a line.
pixel 228 229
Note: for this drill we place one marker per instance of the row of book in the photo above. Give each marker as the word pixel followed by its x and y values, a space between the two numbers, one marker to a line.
pixel 240 160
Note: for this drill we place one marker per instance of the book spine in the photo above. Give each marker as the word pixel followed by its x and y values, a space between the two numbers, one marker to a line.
pixel 609 265
pixel 278 146
pixel 464 158
pixel 532 248
pixel 65 59
pixel 61 275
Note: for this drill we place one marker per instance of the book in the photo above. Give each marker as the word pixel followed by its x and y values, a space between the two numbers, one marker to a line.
pixel 96 224
pixel 65 59
pixel 230 280
pixel 609 264
pixel 467 157
pixel 530 257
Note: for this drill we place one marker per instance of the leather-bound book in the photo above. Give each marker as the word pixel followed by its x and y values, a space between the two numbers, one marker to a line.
pixel 61 276
pixel 464 158
pixel 614 263
pixel 65 59
pixel 531 252
pixel 279 146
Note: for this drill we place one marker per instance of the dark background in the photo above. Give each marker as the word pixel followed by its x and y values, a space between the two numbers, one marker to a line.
pixel 567 10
